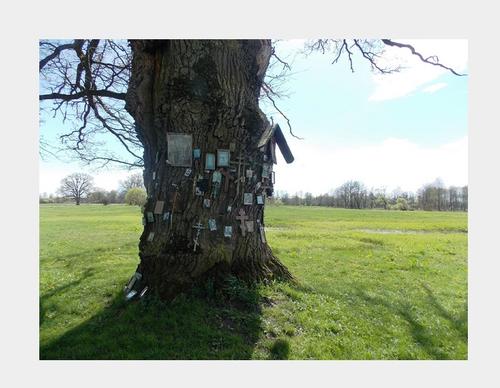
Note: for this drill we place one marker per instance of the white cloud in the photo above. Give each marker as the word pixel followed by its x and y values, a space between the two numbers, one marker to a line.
pixel 321 168
pixel 391 163
pixel 451 52
pixel 434 87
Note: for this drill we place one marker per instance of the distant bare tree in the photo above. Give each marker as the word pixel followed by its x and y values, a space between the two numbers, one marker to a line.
pixel 76 186
pixel 132 181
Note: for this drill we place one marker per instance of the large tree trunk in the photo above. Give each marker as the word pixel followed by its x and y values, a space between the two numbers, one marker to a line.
pixel 208 89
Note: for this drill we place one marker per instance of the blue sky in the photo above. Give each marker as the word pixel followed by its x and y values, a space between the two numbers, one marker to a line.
pixel 400 130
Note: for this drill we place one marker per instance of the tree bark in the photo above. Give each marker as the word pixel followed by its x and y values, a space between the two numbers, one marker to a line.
pixel 208 89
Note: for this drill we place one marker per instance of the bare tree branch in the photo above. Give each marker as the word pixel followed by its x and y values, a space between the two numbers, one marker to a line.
pixel 79 95
pixel 268 93
pixel 54 54
pixel 432 60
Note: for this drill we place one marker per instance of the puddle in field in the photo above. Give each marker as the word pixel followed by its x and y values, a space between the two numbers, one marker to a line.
pixel 399 231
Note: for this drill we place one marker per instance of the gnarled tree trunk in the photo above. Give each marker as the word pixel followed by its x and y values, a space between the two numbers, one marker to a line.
pixel 208 89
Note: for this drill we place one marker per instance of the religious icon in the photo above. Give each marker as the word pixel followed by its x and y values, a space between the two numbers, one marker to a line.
pixel 260 199
pixel 166 216
pixel 266 170
pixel 179 149
pixel 223 157
pixel 150 217
pixel 232 147
pixel 197 153
pixel 210 162
pixel 206 203
pixel 216 177
pixel 159 207
pixel 130 295
pixel 228 231
pixel 249 173
pixel 187 172
pixel 247 199
pixel 211 224
pixel 151 236
pixel 201 186
pixel 229 208
pixel 135 277
pixel 249 225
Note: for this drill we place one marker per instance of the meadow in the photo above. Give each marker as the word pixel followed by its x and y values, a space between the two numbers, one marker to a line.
pixel 371 284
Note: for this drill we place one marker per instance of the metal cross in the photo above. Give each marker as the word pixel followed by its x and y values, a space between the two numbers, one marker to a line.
pixel 198 228
pixel 242 218
pixel 241 174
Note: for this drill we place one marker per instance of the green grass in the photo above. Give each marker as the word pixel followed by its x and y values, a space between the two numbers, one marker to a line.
pixel 371 285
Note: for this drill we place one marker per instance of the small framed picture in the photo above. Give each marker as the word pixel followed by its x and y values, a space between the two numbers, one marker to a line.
pixel 197 153
pixel 273 177
pixel 260 199
pixel 210 162
pixel 223 157
pixel 212 225
pixel 150 216
pixel 206 203
pixel 151 236
pixel 188 172
pixel 166 216
pixel 249 173
pixel 249 225
pixel 247 199
pixel 179 149
pixel 159 207
pixel 228 231
pixel 201 186
pixel 266 170
pixel 216 177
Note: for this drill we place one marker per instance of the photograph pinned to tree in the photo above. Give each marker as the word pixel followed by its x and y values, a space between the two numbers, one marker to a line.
pixel 223 158
pixel 179 147
pixel 210 161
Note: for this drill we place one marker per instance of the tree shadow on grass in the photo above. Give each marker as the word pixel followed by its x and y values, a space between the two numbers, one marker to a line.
pixel 459 323
pixel 420 333
pixel 43 301
pixel 190 327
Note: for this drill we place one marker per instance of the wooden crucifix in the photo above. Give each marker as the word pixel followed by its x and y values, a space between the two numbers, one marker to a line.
pixel 242 218
pixel 173 202
pixel 227 177
pixel 198 228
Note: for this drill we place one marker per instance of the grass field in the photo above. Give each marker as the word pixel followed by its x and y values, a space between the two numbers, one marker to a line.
pixel 371 285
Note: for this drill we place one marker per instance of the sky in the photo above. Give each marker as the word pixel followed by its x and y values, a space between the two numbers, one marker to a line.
pixel 396 131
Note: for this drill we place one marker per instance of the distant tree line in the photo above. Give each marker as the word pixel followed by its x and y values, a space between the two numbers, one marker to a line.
pixel 79 188
pixel 355 195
